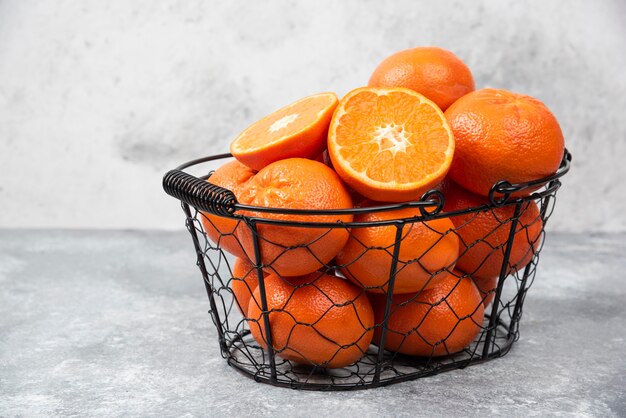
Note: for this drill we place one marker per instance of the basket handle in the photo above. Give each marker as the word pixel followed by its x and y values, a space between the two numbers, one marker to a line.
pixel 199 193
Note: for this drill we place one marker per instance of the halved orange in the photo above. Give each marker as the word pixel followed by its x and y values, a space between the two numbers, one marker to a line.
pixel 390 144
pixel 296 130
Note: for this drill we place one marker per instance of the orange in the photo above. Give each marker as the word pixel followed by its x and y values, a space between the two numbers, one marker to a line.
pixel 484 234
pixel 502 135
pixel 426 248
pixel 296 130
pixel 316 319
pixel 245 281
pixel 440 320
pixel 434 72
pixel 487 288
pixel 295 183
pixel 221 230
pixel 390 145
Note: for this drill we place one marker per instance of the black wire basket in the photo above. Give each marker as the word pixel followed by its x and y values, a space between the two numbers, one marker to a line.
pixel 396 340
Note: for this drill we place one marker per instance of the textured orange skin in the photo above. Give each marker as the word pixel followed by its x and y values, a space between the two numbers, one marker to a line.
pixel 245 282
pixel 341 313
pixel 434 72
pixel 232 176
pixel 423 241
pixel 403 192
pixel 295 183
pixel 485 231
pixel 502 135
pixel 487 288
pixel 308 142
pixel 432 317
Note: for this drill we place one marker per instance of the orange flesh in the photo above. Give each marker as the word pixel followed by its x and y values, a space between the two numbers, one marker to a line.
pixel 285 122
pixel 391 138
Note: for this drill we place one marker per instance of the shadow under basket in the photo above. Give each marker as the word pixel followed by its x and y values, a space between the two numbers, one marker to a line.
pixel 281 363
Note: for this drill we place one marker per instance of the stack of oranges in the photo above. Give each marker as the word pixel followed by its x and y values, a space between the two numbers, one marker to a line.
pixel 418 125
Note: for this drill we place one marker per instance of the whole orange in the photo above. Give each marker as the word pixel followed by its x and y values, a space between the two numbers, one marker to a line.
pixel 484 234
pixel 440 320
pixel 315 319
pixel 295 183
pixel 502 135
pixel 220 229
pixel 425 248
pixel 434 72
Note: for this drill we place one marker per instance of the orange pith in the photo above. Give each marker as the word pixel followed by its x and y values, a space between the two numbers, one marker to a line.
pixel 296 130
pixel 390 144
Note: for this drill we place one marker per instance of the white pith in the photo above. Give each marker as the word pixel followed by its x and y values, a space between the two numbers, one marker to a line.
pixel 283 122
pixel 391 137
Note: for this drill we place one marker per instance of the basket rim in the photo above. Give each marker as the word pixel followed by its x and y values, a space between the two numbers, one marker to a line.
pixel 430 205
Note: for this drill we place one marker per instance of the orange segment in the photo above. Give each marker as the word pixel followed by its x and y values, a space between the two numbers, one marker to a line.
pixel 296 130
pixel 390 144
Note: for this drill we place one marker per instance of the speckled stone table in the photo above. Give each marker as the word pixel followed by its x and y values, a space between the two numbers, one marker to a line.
pixel 101 323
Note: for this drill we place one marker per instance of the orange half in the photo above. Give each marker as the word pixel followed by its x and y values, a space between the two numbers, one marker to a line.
pixel 390 144
pixel 298 130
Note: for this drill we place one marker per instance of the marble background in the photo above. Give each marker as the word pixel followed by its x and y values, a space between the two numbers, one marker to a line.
pixel 99 98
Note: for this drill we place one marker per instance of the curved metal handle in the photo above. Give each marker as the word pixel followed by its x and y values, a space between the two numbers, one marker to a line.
pixel 199 193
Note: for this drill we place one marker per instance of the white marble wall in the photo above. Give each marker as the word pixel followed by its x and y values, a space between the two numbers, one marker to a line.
pixel 99 98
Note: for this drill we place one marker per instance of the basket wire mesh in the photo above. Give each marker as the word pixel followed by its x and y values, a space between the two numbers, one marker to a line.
pixel 283 364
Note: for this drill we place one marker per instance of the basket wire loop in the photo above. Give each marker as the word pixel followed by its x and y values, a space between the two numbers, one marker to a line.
pixel 436 198
pixel 506 188
pixel 388 302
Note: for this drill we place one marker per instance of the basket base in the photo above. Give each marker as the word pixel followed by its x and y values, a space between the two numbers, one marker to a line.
pixel 248 358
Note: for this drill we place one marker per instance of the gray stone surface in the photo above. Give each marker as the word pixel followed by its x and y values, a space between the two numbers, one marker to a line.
pixel 114 323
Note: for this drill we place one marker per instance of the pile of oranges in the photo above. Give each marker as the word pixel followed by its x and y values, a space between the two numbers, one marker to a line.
pixel 417 126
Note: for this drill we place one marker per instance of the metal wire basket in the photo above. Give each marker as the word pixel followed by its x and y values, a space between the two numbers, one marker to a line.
pixel 281 364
